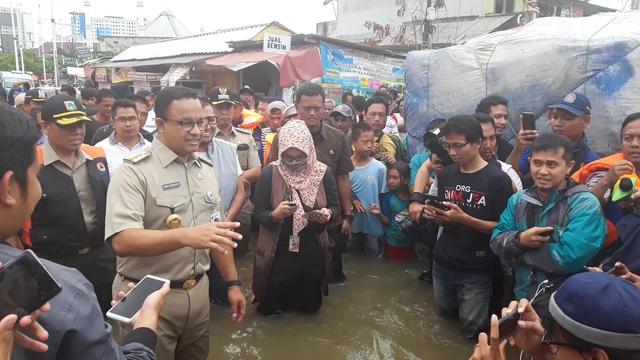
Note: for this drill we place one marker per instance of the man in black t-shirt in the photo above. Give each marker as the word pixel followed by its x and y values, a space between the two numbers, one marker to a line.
pixel 474 195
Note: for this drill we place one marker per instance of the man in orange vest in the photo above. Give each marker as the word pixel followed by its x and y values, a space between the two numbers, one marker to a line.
pixel 67 225
pixel 601 175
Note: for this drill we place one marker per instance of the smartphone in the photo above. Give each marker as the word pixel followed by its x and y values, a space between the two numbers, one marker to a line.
pixel 433 201
pixel 306 215
pixel 508 324
pixel 547 233
pixel 25 285
pixel 126 308
pixel 528 121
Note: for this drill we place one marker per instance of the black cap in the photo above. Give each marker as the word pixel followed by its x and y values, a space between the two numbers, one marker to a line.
pixel 37 95
pixel 221 95
pixel 63 110
pixel 246 89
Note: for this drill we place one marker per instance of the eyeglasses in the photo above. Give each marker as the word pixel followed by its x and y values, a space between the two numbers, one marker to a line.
pixel 127 120
pixel 202 123
pixel 456 146
pixel 553 346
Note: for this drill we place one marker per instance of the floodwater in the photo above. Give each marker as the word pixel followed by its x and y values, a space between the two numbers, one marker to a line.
pixel 381 312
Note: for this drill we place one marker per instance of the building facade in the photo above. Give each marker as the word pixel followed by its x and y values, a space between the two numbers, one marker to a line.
pixel 6 31
pixel 112 26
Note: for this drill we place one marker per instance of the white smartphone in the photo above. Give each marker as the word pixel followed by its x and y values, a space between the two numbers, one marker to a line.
pixel 126 308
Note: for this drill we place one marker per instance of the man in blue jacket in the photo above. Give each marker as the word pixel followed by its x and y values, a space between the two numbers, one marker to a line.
pixel 552 229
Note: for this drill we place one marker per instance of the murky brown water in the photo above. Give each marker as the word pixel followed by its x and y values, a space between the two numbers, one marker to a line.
pixel 382 312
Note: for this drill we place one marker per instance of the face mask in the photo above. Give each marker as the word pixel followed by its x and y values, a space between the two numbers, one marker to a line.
pixel 295 165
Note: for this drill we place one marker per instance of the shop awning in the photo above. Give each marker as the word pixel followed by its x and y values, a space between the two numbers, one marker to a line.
pixel 300 64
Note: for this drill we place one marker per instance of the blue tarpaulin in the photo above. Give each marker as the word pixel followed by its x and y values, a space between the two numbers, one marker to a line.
pixel 533 66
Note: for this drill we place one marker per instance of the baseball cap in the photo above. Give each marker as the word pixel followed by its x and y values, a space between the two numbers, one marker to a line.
pixel 290 111
pixel 246 88
pixel 19 99
pixel 36 95
pixel 600 309
pixel 63 110
pixel 221 95
pixel 276 105
pixel 575 103
pixel 344 110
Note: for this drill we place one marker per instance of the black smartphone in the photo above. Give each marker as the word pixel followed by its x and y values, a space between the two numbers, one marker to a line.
pixel 125 310
pixel 528 121
pixel 547 233
pixel 508 324
pixel 25 285
pixel 288 196
pixel 433 201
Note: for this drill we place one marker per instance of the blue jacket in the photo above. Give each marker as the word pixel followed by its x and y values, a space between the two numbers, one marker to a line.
pixel 579 235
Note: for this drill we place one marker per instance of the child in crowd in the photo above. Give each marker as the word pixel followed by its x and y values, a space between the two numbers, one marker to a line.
pixel 394 214
pixel 368 183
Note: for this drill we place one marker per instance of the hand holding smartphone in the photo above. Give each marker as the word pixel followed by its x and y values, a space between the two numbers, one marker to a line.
pixel 436 203
pixel 128 307
pixel 25 285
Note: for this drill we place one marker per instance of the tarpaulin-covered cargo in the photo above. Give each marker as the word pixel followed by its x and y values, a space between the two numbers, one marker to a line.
pixel 532 66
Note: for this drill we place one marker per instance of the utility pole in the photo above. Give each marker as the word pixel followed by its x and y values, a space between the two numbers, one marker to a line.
pixel 426 26
pixel 15 40
pixel 635 4
pixel 20 36
pixel 44 63
pixel 55 47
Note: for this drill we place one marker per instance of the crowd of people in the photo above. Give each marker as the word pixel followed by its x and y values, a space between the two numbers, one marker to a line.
pixel 171 184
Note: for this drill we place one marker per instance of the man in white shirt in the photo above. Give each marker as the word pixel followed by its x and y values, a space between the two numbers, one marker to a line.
pixel 126 139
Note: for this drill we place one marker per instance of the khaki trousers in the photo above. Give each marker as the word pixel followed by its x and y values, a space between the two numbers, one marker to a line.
pixel 183 327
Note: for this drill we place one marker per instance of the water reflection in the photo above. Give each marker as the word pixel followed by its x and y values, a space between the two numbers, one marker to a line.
pixel 382 312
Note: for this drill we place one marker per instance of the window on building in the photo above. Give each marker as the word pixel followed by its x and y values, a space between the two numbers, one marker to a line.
pixel 503 6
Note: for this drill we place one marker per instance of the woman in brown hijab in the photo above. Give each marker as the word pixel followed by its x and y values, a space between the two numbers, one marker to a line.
pixel 295 199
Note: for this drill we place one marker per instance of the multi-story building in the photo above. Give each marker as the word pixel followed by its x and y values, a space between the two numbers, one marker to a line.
pixel 112 26
pixel 6 30
pixel 78 26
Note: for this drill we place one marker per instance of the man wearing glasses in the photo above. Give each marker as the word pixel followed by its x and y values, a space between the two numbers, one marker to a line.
pixel 472 194
pixel 67 226
pixel 593 316
pixel 164 217
pixel 126 138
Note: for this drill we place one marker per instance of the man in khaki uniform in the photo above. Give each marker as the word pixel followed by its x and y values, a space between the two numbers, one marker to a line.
pixel 164 215
pixel 223 101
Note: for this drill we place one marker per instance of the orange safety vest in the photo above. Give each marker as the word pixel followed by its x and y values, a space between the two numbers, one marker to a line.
pixel 268 141
pixel 251 119
pixel 89 151
pixel 599 165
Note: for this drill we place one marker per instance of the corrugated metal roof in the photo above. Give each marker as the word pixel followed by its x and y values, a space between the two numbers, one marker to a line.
pixel 186 59
pixel 208 43
pixel 165 25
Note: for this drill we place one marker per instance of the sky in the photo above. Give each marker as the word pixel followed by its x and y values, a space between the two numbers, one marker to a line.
pixel 300 16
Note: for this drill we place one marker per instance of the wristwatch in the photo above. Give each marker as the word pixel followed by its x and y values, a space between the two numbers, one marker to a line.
pixel 417 197
pixel 348 217
pixel 231 283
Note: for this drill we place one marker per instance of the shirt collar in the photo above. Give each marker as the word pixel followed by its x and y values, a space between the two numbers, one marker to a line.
pixel 114 141
pixel 50 155
pixel 322 133
pixel 167 156
pixel 218 131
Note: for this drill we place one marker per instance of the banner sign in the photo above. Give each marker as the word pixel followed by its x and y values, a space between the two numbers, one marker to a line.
pixel 360 72
pixel 280 44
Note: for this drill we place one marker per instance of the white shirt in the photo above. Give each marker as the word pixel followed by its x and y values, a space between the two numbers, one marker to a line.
pixel 391 127
pixel 116 152
pixel 150 124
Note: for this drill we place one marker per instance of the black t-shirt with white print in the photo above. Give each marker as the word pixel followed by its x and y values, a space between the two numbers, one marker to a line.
pixel 482 195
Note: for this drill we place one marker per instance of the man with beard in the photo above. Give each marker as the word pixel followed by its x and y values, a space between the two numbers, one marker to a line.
pixel 67 226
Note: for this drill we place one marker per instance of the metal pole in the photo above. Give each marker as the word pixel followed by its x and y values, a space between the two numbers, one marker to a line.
pixel 20 37
pixel 426 31
pixel 44 64
pixel 15 42
pixel 55 48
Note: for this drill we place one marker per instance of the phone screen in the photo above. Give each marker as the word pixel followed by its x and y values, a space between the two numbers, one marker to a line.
pixel 132 302
pixel 508 324
pixel 528 121
pixel 25 285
